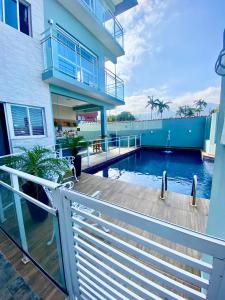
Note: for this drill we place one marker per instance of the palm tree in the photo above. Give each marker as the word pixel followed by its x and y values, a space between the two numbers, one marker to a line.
pixel 180 111
pixel 189 111
pixel 162 106
pixel 185 111
pixel 152 103
pixel 200 106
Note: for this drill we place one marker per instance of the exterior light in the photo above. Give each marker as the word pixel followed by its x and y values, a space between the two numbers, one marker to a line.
pixel 220 63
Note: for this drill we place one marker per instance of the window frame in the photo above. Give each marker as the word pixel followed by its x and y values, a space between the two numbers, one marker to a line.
pixel 11 124
pixel 24 2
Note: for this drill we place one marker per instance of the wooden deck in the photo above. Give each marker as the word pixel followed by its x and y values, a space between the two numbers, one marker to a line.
pixel 39 283
pixel 176 208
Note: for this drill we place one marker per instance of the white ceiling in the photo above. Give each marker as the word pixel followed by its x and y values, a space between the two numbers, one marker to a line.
pixel 68 102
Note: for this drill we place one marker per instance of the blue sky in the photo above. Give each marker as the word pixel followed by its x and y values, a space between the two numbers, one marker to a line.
pixel 171 48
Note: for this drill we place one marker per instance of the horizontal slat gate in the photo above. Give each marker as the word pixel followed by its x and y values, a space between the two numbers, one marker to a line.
pixel 114 261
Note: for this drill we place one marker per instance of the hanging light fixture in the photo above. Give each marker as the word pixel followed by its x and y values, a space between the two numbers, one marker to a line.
pixel 220 63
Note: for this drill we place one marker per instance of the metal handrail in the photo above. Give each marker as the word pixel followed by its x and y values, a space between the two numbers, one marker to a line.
pixel 194 190
pixel 164 185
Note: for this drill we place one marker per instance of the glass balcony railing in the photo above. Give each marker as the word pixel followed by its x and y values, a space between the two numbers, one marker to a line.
pixel 66 55
pixel 114 85
pixel 33 226
pixel 106 18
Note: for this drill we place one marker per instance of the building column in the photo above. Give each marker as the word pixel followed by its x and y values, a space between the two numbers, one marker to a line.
pixel 215 226
pixel 104 131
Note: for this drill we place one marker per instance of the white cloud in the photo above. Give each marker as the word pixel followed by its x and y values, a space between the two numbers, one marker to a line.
pixel 139 24
pixel 210 94
pixel 136 103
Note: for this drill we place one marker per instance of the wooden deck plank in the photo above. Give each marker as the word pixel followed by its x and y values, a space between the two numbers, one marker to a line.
pixel 39 283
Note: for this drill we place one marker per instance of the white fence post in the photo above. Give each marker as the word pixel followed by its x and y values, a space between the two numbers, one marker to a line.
pixel 88 156
pixel 60 152
pixel 216 288
pixel 2 215
pixel 19 214
pixel 119 144
pixel 63 205
pixel 106 148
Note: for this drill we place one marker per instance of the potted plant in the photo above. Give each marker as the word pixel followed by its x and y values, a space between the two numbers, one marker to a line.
pixel 40 162
pixel 75 145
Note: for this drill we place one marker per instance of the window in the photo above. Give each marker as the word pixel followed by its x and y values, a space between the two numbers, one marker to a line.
pixel 27 121
pixel 16 13
pixel 76 60
pixel 24 16
pixel 36 120
pixel 11 13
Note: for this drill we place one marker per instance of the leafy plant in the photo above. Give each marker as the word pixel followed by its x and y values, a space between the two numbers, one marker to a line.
pixel 40 162
pixel 76 143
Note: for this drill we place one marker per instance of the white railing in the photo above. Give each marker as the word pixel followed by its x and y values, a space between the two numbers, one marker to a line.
pixel 137 257
pixel 124 264
pixel 100 150
pixel 106 18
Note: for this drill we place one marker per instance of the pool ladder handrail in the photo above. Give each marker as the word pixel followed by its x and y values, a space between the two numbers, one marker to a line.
pixel 164 185
pixel 194 190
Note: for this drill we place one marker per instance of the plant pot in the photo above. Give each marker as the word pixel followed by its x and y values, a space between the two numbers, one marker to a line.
pixel 37 192
pixel 78 164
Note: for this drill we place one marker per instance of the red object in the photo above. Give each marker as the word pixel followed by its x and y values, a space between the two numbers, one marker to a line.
pixel 88 117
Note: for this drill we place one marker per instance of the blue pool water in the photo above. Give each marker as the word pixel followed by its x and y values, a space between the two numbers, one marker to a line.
pixel 145 167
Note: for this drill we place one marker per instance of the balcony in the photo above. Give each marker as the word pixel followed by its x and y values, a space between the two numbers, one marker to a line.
pixel 107 19
pixel 69 64
pixel 100 21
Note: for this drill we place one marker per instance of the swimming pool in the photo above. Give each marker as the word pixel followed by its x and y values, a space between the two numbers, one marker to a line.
pixel 145 167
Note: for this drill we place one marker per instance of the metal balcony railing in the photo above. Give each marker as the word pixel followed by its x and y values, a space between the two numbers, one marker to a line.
pixel 114 85
pixel 106 18
pixel 102 149
pixel 65 54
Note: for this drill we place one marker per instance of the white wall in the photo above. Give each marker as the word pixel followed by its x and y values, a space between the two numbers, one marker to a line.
pixel 64 112
pixel 21 61
pixel 210 144
pixel 215 226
